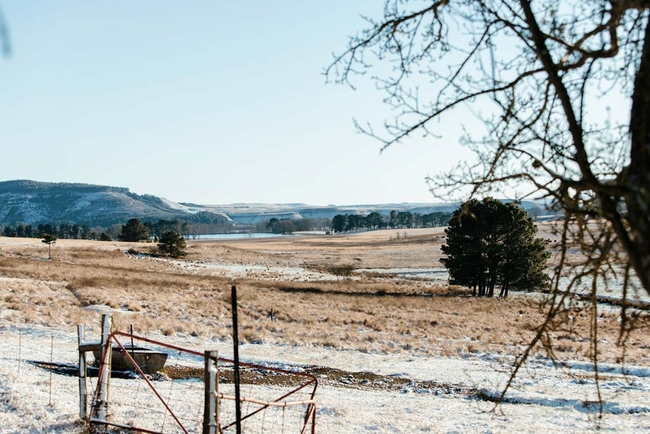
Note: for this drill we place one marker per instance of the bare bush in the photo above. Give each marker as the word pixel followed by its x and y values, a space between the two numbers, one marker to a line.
pixel 342 270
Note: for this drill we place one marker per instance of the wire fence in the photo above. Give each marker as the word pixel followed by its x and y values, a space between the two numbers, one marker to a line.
pixel 274 400
pixel 39 375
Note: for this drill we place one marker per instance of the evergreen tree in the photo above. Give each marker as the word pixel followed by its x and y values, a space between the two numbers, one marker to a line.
pixel 490 243
pixel 284 226
pixel 374 220
pixel 354 222
pixel 134 231
pixel 9 231
pixel 172 244
pixel 524 255
pixel 339 222
pixel 464 260
pixel 393 222
pixel 49 240
pixel 273 225
pixel 405 219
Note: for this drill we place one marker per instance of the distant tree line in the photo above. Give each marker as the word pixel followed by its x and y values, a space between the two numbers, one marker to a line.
pixel 157 229
pixel 201 223
pixel 61 231
pixel 396 220
pixel 288 226
pixel 209 223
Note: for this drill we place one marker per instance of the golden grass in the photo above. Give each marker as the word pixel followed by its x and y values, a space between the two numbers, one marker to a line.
pixel 370 314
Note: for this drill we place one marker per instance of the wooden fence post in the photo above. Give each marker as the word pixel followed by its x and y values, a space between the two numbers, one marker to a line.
pixel 211 403
pixel 235 339
pixel 83 397
pixel 105 368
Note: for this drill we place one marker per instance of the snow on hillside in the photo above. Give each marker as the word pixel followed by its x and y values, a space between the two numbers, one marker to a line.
pixel 177 206
pixel 87 200
pixel 31 211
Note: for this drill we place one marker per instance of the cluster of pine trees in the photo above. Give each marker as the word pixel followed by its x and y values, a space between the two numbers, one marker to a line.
pixel 171 242
pixel 396 220
pixel 355 222
pixel 288 226
pixel 490 243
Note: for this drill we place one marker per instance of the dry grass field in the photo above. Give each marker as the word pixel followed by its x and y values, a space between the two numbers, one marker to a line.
pixel 287 295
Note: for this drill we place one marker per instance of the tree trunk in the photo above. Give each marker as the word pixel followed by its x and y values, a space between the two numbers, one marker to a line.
pixel 504 289
pixel 493 281
pixel 638 176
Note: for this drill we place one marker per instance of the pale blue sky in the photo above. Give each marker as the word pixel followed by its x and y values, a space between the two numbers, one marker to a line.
pixel 201 101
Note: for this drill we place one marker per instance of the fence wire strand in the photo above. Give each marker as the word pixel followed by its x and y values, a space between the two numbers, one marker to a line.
pixel 132 401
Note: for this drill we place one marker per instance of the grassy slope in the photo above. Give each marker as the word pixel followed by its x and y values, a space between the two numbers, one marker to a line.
pixel 367 314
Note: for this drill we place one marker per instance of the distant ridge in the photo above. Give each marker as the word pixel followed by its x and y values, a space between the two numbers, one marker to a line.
pixel 33 202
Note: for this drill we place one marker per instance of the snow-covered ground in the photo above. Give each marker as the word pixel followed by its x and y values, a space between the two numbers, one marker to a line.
pixel 438 394
pixel 437 275
pixel 267 272
pixel 543 398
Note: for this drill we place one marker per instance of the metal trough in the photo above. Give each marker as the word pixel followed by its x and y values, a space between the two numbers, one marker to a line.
pixel 150 361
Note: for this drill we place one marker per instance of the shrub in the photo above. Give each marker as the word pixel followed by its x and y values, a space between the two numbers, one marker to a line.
pixel 342 270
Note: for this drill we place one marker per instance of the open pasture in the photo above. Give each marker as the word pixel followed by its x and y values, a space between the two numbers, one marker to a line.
pixel 294 310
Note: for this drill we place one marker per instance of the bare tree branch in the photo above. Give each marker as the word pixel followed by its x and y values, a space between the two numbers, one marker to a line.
pixel 546 68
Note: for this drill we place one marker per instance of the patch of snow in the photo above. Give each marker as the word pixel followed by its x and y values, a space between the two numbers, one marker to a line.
pixel 268 272
pixel 542 399
pixel 436 274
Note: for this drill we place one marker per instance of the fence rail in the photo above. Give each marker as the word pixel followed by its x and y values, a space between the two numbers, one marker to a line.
pixel 178 398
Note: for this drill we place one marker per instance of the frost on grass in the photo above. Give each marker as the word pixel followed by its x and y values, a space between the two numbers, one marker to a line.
pixel 544 399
